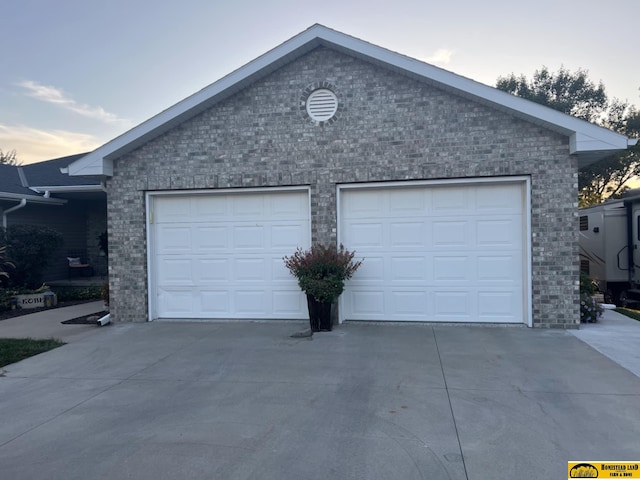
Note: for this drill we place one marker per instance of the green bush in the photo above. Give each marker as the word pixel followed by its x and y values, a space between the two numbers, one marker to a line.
pixel 71 294
pixel 29 247
pixel 5 299
pixel 6 267
pixel 588 286
pixel 590 309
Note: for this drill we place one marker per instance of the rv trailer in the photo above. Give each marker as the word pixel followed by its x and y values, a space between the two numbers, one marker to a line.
pixel 609 247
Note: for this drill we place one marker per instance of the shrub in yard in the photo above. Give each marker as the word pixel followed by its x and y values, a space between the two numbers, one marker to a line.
pixel 5 299
pixel 70 294
pixel 590 310
pixel 6 267
pixel 105 293
pixel 587 285
pixel 29 247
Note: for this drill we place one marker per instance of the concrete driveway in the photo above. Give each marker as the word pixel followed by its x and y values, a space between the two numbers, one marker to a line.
pixel 246 401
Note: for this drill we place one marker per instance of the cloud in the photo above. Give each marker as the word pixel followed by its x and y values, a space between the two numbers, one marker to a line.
pixel 442 56
pixel 58 97
pixel 34 145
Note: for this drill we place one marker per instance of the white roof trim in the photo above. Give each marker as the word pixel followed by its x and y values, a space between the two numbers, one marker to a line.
pixel 590 142
pixel 67 188
pixel 31 198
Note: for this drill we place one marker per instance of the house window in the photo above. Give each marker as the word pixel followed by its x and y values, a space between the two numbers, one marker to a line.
pixel 584 223
pixel 584 267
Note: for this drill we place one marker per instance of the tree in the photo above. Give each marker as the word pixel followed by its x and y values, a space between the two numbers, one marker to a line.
pixel 9 158
pixel 575 94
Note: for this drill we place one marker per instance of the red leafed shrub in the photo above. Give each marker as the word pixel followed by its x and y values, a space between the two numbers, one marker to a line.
pixel 322 270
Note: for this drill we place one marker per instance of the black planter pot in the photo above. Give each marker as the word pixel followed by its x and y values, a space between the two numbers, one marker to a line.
pixel 319 315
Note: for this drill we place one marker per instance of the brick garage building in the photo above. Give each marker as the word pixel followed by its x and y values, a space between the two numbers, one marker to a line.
pixel 462 198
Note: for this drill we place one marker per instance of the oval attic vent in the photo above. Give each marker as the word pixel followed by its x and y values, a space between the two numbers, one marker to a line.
pixel 322 104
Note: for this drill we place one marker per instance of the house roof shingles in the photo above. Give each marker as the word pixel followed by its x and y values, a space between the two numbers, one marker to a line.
pixel 16 180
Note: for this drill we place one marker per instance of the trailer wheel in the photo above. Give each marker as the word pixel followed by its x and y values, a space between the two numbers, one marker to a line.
pixel 609 297
pixel 623 299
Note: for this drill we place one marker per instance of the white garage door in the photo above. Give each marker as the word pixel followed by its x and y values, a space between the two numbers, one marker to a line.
pixel 435 253
pixel 220 255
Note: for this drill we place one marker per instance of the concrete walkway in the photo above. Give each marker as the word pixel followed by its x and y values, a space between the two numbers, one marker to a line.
pixel 616 336
pixel 47 323
pixel 243 400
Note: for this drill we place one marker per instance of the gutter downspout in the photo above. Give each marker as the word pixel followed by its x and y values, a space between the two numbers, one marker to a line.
pixel 22 203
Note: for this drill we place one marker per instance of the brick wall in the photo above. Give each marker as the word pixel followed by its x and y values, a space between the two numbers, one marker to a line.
pixel 390 128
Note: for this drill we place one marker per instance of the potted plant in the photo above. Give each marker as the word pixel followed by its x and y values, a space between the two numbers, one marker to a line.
pixel 321 272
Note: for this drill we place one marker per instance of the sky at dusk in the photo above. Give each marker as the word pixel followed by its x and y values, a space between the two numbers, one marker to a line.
pixel 78 73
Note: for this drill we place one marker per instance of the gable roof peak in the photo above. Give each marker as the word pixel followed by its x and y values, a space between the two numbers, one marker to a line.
pixel 588 141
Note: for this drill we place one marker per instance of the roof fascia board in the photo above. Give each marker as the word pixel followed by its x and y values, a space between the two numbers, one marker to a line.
pixel 31 198
pixel 67 188
pixel 100 161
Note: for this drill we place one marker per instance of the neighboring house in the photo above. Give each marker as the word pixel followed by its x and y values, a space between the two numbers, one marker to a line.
pixel 40 194
pixel 461 198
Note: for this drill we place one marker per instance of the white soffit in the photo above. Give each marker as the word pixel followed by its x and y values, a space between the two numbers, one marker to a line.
pixel 590 142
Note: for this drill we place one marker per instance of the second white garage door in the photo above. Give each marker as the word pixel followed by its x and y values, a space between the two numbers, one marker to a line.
pixel 450 253
pixel 219 255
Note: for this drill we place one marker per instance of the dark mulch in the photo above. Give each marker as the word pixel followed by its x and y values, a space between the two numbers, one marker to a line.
pixel 86 320
pixel 22 311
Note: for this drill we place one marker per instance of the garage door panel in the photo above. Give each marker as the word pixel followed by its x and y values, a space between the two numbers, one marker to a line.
pixel 287 302
pixel 450 200
pixel 287 237
pixel 207 208
pixel 366 235
pixel 451 233
pixel 210 239
pixel 251 302
pixel 367 205
pixel 249 269
pixel 176 270
pixel 249 236
pixel 288 207
pixel 174 240
pixel 499 233
pixel 211 270
pixel 179 302
pixel 452 303
pixel 409 304
pixel 174 210
pixel 452 269
pixel 505 200
pixel 253 206
pixel 499 269
pixel 213 301
pixel 220 255
pixel 366 304
pixel 408 234
pixel 408 202
pixel 457 258
pixel 408 269
pixel 372 269
pixel 497 306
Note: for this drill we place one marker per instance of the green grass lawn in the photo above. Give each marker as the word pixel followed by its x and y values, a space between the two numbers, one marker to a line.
pixel 13 350
pixel 635 314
